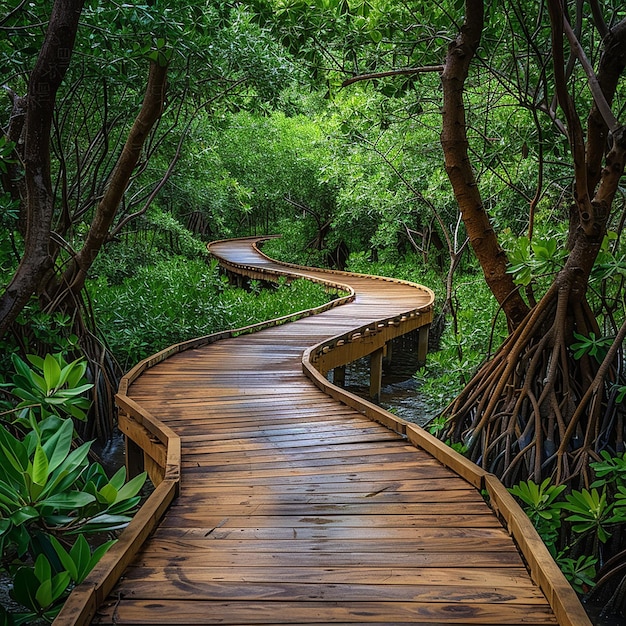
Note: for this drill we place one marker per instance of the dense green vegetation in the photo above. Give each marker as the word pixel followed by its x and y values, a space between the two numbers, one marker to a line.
pixel 456 144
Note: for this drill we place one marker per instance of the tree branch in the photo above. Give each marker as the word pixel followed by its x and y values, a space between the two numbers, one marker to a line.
pixel 105 213
pixel 594 85
pixel 454 141
pixel 400 72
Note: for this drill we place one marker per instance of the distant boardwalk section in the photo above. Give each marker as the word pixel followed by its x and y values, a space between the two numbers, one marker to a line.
pixel 283 499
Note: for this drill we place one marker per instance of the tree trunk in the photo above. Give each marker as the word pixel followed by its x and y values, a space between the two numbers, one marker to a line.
pixel 535 410
pixel 43 85
pixel 491 256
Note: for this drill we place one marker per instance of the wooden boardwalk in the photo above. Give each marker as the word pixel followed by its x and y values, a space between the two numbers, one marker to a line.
pixel 295 507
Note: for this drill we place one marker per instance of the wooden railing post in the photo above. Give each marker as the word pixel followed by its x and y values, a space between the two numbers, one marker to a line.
pixel 134 458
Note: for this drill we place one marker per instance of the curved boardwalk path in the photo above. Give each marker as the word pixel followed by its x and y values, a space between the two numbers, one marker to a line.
pixel 296 508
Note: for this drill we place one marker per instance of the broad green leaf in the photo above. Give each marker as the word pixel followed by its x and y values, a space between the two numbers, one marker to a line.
pixel 75 376
pixel 65 558
pixel 81 555
pixel 43 595
pixel 43 570
pixel 25 585
pixel 108 493
pixel 132 487
pixel 67 501
pixel 25 514
pixel 36 360
pixel 58 446
pixel 51 372
pixel 60 583
pixel 119 478
pixel 13 451
pixel 40 467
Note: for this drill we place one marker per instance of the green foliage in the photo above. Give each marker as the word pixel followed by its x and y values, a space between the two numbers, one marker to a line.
pixel 50 490
pixel 6 154
pixel 42 587
pixel 539 503
pixel 567 520
pixel 52 385
pixel 580 572
pixel 464 342
pixel 611 469
pixel 536 260
pixel 591 512
pixel 178 299
pixel 596 347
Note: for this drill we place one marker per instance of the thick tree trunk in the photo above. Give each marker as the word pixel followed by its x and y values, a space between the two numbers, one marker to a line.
pixel 491 256
pixel 43 85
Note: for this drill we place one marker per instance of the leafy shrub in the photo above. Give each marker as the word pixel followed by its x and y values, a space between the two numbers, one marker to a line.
pixel 586 517
pixel 50 490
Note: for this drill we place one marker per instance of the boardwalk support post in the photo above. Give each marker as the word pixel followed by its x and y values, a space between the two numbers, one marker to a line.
pixel 422 344
pixel 388 353
pixel 339 376
pixel 376 373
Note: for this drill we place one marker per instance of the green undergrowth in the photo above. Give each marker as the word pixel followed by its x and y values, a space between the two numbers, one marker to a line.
pixel 579 526
pixel 52 493
pixel 177 298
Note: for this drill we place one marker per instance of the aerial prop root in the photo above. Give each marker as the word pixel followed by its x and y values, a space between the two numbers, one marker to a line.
pixel 534 410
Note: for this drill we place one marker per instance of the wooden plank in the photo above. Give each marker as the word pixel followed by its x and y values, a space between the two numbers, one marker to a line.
pixel 232 520
pixel 188 588
pixel 494 577
pixel 482 560
pixel 408 498
pixel 328 545
pixel 197 612
pixel 367 489
pixel 278 535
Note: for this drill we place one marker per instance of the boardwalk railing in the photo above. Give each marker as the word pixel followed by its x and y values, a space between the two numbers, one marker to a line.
pixel 152 445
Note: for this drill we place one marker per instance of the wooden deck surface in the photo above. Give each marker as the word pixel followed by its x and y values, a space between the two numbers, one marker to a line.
pixel 296 509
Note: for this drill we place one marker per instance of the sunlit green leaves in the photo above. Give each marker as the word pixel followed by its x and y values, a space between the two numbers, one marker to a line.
pixel 611 469
pixel 532 260
pixel 540 503
pixel 590 511
pixel 52 386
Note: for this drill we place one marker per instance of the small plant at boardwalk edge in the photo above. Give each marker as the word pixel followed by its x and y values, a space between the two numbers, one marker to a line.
pixel 586 517
pixel 539 502
pixel 49 489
